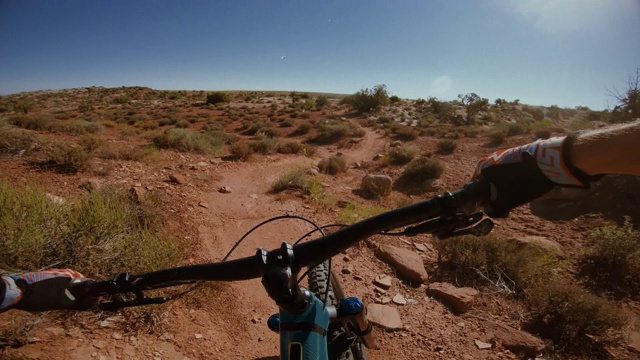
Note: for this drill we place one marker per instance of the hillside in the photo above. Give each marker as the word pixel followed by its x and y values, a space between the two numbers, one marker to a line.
pixel 202 174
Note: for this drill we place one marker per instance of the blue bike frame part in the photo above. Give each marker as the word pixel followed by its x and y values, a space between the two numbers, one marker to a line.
pixel 303 336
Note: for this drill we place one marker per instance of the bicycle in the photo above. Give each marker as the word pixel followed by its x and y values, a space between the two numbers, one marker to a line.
pixel 318 323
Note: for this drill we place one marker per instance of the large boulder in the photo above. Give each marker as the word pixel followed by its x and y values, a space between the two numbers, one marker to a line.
pixel 407 262
pixel 460 299
pixel 540 242
pixel 376 185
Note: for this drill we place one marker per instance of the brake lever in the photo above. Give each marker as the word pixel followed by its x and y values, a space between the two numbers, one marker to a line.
pixel 117 305
pixel 442 224
pixel 482 228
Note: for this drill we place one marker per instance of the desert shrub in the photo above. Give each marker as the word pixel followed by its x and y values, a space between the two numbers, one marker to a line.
pixel 150 126
pixel 303 128
pixel 184 140
pixel 486 261
pixel 78 127
pixel 265 144
pixel 90 143
pixel 217 97
pixel 542 134
pixel 290 147
pixel 13 141
pixel 368 99
pixel 612 258
pixel 536 112
pixel 353 212
pixel 447 146
pixel 497 136
pixel 420 170
pixel 401 155
pixel 182 124
pixel 68 158
pixel 241 150
pixel 168 121
pixel 405 133
pixel 119 151
pixel 569 314
pixel 322 101
pixel 513 129
pixel 287 123
pixel 560 309
pixel 98 235
pixel 330 133
pixel 32 122
pixel 296 179
pixel 333 165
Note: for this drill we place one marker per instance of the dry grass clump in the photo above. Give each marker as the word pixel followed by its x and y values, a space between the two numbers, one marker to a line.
pixel 296 179
pixel 401 155
pixel 99 235
pixel 332 131
pixel 446 146
pixel 14 141
pixel 241 150
pixel 185 140
pixel 68 158
pixel 333 165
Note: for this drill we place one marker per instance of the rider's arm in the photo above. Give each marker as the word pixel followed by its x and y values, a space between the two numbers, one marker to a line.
pixel 611 150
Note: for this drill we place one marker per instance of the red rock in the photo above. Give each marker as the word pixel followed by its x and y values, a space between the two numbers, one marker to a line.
pixel 517 341
pixel 178 179
pixel 460 299
pixel 384 316
pixel 408 263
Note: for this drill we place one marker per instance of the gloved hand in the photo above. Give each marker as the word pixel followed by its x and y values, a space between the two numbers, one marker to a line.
pixel 44 290
pixel 522 174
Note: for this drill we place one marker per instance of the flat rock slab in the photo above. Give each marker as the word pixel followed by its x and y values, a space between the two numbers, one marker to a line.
pixel 407 262
pixel 384 316
pixel 460 299
pixel 517 341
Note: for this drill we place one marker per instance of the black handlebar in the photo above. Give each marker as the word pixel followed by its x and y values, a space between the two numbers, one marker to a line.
pixel 443 206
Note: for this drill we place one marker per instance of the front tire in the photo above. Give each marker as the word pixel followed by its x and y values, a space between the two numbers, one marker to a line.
pixel 342 344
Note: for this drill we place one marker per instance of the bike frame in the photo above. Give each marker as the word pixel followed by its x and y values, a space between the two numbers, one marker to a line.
pixel 303 336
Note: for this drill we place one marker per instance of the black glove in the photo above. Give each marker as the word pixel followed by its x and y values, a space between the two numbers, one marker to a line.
pixel 522 174
pixel 45 290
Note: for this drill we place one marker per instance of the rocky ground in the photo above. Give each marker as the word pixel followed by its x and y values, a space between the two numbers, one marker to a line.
pixel 210 201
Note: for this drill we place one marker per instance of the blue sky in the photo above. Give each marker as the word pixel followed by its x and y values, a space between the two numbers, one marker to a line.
pixel 543 52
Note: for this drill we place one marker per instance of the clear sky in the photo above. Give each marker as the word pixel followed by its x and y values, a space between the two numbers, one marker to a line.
pixel 543 52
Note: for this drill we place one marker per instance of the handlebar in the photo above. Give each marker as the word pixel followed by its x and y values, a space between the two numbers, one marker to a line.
pixel 447 207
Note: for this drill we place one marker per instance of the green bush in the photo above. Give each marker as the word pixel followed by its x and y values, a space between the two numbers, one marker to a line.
pixel 447 146
pixel 405 133
pixel 612 258
pixel 98 235
pixel 32 122
pixel 367 100
pixel 119 151
pixel 265 144
pixel 331 132
pixel 497 136
pixel 303 128
pixel 353 212
pixel 420 170
pixel 542 134
pixel 322 101
pixel 185 140
pixel 401 155
pixel 14 141
pixel 217 97
pixel 69 158
pixel 333 165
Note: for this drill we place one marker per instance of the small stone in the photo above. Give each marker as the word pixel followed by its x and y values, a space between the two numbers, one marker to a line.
pixel 346 258
pixel 347 269
pixel 117 336
pixel 378 290
pixel 438 348
pixel 385 316
pixel 255 320
pixel 383 281
pixel 253 196
pixel 98 344
pixel 357 277
pixel 260 339
pixel 55 331
pixel 198 336
pixel 224 190
pixel 399 300
pixel 203 205
pixel 412 301
pixel 420 247
pixel 178 179
pixel 385 300
pixel 482 345
pixel 55 199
